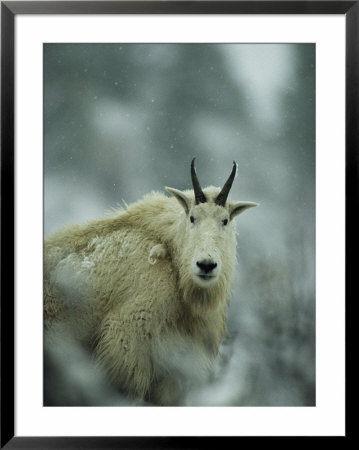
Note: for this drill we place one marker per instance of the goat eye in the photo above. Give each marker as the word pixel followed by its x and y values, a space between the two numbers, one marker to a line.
pixel 192 219
pixel 225 221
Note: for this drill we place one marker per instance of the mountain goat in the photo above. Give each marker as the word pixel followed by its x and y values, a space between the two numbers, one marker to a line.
pixel 146 289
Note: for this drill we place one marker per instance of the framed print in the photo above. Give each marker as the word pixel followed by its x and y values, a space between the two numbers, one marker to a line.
pixel 139 306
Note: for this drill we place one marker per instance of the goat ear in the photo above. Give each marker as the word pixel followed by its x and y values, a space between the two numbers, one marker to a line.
pixel 180 196
pixel 239 207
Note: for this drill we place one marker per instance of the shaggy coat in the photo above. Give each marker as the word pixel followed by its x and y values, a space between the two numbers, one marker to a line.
pixel 129 288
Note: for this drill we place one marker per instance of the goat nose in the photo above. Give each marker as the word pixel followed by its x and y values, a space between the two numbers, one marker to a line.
pixel 206 267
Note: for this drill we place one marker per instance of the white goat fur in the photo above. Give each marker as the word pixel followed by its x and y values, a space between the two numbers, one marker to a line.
pixel 126 287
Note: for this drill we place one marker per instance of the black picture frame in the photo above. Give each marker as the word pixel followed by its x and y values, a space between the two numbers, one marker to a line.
pixel 9 9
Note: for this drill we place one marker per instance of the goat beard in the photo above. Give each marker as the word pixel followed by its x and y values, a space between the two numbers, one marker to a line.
pixel 199 298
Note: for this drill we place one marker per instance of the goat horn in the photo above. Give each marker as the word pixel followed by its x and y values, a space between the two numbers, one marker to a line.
pixel 198 193
pixel 222 196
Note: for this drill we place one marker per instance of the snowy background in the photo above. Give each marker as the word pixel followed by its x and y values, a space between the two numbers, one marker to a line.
pixel 124 119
